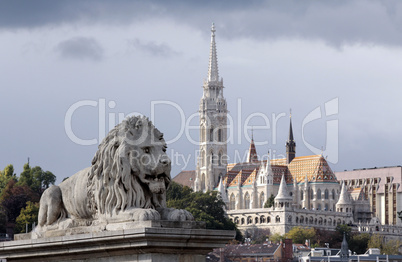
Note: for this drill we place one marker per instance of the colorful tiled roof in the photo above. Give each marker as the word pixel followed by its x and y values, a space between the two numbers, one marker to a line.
pixel 315 167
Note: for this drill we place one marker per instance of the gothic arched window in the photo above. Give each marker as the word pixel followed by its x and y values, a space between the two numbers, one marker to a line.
pixel 319 194
pixel 247 201
pixel 220 135
pixel 220 158
pixel 326 195
pixel 262 196
pixel 211 134
pixel 311 194
pixel 232 202
pixel 333 194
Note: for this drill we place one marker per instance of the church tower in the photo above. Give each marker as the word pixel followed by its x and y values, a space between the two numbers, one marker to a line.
pixel 212 160
pixel 290 144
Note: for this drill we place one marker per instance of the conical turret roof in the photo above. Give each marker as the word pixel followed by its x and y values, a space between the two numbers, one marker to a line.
pixel 344 198
pixel 283 193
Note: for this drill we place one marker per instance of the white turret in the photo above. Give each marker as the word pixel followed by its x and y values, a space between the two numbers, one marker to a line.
pixel 344 203
pixel 283 199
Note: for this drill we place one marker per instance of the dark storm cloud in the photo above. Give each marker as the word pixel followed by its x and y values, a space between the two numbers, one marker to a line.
pixel 152 48
pixel 80 48
pixel 335 22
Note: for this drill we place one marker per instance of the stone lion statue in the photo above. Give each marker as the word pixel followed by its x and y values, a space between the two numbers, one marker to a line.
pixel 127 181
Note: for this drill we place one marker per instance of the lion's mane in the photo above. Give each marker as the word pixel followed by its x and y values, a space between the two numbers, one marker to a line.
pixel 112 184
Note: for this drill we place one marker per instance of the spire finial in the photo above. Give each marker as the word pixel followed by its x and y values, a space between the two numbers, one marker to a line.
pixel 213 74
pixel 290 112
pixel 252 133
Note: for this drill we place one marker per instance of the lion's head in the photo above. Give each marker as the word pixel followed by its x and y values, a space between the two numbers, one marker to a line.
pixel 130 168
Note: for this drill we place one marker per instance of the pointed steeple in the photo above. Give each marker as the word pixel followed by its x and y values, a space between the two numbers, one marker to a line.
pixel 344 248
pixel 252 152
pixel 283 193
pixel 290 144
pixel 213 73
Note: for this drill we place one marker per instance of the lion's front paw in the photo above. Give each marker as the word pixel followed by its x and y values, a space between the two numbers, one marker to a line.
pixel 179 215
pixel 145 214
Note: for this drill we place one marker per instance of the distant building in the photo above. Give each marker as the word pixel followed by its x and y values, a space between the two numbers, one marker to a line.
pixel 258 252
pixel 382 189
pixel 307 192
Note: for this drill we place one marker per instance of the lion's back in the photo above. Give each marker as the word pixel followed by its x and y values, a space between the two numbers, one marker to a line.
pixel 74 193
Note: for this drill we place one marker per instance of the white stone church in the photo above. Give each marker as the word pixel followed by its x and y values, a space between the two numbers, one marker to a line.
pixel 306 190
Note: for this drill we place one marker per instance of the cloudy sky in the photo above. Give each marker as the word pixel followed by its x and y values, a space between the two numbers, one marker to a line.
pixel 72 69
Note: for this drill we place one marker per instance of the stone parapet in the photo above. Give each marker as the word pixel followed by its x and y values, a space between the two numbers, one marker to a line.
pixel 153 241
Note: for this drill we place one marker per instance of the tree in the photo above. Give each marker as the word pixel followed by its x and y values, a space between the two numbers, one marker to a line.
pixel 14 197
pixel 37 179
pixel 391 247
pixel 299 234
pixel 208 207
pixel 375 241
pixel 270 202
pixel 358 242
pixel 276 238
pixel 28 215
pixel 6 175
pixel 343 229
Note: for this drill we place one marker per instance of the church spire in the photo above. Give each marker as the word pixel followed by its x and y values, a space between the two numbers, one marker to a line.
pixel 290 144
pixel 252 152
pixel 213 74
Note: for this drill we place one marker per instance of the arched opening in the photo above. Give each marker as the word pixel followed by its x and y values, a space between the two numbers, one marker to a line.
pixel 246 201
pixel 333 194
pixel 232 202
pixel 211 134
pixel 319 194
pixel 302 195
pixel 220 158
pixel 262 197
pixel 249 220
pixel 220 135
pixel 203 182
pixel 311 194
pixel 326 194
pixel 262 219
pixel 277 219
pixel 256 220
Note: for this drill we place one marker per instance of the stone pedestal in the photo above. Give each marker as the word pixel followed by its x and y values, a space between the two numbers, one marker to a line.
pixel 134 241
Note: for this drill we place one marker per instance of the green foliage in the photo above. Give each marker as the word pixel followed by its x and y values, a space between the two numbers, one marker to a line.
pixel 375 241
pixel 270 202
pixel 276 238
pixel 344 229
pixel 37 179
pixel 208 207
pixel 28 215
pixel 14 197
pixel 358 242
pixel 5 176
pixel 300 234
pixel 390 247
